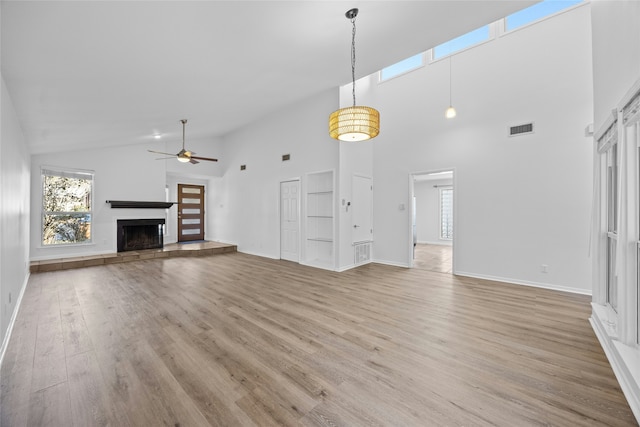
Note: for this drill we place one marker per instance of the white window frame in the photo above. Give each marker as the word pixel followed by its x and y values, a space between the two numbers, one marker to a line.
pixel 423 62
pixel 54 171
pixel 503 26
pixel 440 216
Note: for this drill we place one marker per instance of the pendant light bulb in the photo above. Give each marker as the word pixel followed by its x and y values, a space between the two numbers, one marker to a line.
pixel 450 113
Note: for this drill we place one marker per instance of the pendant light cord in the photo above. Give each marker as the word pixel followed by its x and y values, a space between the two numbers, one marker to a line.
pixel 450 81
pixel 353 60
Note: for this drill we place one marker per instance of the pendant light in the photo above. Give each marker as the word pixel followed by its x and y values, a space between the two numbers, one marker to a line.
pixel 451 112
pixel 355 123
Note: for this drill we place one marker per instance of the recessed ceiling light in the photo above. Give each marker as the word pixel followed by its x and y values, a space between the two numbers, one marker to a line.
pixel 157 136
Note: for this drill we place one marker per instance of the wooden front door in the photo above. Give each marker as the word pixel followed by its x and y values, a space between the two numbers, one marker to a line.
pixel 190 212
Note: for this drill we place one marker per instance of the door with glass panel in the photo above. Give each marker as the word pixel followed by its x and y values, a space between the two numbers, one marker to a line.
pixel 190 212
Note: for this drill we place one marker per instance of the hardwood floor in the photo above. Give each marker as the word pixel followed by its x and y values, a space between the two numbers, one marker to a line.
pixel 437 258
pixel 238 340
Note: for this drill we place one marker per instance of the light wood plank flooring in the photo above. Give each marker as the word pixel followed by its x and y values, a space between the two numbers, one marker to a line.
pixel 238 340
pixel 437 258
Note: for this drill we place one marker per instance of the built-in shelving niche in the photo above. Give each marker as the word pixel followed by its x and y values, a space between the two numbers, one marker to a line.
pixel 320 221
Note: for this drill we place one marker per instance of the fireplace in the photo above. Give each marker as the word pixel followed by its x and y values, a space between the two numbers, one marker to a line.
pixel 138 234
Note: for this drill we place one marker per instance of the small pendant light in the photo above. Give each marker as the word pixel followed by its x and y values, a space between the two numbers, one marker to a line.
pixel 451 112
pixel 357 123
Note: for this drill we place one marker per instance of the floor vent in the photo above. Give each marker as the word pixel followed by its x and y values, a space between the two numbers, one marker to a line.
pixel 361 253
pixel 521 129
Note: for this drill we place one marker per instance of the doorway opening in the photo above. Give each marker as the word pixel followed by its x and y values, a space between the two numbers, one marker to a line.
pixel 432 225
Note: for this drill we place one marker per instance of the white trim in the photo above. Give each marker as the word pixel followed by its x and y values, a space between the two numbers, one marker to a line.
pixel 525 283
pixel 439 243
pixel 628 97
pixel 348 267
pixel 14 315
pixel 391 263
pixel 259 254
pixel 425 61
pixel 620 357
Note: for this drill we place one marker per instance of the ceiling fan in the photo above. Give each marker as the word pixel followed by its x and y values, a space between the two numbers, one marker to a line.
pixel 184 155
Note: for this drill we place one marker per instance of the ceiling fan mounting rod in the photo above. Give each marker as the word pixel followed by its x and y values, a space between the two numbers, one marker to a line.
pixel 184 122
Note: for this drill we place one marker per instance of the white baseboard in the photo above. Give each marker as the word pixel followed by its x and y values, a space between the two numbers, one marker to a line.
pixel 391 263
pixel 524 283
pixel 14 315
pixel 257 254
pixel 624 361
pixel 439 243
pixel 346 267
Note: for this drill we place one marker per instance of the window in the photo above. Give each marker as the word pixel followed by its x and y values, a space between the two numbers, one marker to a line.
pixel 66 207
pixel 404 66
pixel 612 226
pixel 446 213
pixel 537 12
pixel 464 41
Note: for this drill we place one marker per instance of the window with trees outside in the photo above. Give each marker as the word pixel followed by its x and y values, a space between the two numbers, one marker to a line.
pixel 66 207
pixel 446 213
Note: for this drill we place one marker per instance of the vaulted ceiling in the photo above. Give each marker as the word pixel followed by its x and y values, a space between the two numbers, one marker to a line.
pixel 87 74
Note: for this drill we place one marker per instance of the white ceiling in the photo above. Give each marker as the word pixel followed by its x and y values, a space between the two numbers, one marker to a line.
pixel 87 74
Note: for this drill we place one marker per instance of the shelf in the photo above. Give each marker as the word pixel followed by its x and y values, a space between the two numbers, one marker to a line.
pixel 319 217
pixel 122 204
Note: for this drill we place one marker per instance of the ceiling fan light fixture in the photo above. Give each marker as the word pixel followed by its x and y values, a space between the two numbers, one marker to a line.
pixel 183 159
pixel 356 123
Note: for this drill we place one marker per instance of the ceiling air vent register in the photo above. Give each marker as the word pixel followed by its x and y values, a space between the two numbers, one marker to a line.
pixel 521 129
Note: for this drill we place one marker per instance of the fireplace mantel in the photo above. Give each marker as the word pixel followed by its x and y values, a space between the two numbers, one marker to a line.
pixel 139 204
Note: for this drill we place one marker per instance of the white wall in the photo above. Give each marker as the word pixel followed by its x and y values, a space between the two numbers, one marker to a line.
pixel 616 53
pixel 121 173
pixel 14 212
pixel 428 210
pixel 521 202
pixel 245 204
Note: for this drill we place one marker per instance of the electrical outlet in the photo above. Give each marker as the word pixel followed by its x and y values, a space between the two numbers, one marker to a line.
pixel 544 268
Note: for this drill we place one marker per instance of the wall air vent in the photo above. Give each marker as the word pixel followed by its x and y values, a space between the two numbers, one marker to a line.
pixel 521 129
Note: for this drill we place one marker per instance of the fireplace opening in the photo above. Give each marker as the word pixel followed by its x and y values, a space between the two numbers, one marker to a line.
pixel 138 234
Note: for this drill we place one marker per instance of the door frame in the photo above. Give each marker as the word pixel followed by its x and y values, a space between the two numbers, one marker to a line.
pixel 299 209
pixel 455 213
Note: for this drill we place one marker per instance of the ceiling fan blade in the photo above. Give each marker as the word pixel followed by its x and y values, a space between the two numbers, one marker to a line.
pixel 160 152
pixel 193 162
pixel 166 158
pixel 204 158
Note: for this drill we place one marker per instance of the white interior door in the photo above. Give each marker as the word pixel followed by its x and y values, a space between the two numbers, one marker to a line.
pixel 290 220
pixel 362 205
